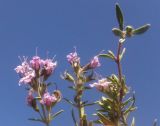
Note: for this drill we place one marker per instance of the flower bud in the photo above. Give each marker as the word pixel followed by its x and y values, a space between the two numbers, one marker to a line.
pixel 95 62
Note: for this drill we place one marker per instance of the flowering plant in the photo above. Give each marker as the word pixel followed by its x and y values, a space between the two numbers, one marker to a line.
pixel 34 74
pixel 117 101
pixel 82 74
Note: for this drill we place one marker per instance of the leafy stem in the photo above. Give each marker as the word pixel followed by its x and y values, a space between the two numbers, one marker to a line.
pixel 119 69
pixel 121 91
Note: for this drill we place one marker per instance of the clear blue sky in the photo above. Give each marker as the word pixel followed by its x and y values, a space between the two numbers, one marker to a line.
pixel 59 25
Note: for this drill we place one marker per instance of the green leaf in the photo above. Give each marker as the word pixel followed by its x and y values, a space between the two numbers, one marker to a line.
pixel 106 56
pixel 97 122
pixel 111 54
pixel 35 119
pixel 142 29
pixel 117 32
pixel 133 122
pixel 119 16
pixel 74 119
pixel 67 76
pixel 128 101
pixel 114 79
pixel 69 101
pixel 104 119
pixel 56 114
pixel 130 109
pixel 89 104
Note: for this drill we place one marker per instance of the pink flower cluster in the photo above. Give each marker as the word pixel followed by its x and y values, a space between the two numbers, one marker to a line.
pixel 36 62
pixel 48 99
pixel 73 58
pixel 101 85
pixel 28 70
pixel 49 66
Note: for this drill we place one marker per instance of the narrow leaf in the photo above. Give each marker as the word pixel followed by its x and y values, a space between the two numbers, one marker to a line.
pixel 142 29
pixel 128 101
pixel 35 119
pixel 89 104
pixel 70 102
pixel 111 53
pixel 106 56
pixel 74 119
pixel 119 16
pixel 104 119
pixel 67 76
pixel 57 113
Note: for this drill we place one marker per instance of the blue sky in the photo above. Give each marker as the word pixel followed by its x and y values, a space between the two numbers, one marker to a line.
pixel 59 25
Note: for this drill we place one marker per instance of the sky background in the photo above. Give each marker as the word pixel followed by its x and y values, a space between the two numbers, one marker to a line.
pixel 59 25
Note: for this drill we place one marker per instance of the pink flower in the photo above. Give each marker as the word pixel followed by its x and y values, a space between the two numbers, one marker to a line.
pixel 26 73
pixel 73 58
pixel 30 99
pixel 101 85
pixel 48 99
pixel 27 78
pixel 49 66
pixel 23 68
pixel 36 62
pixel 95 62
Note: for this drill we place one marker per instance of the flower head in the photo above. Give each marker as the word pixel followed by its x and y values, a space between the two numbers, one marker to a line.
pixel 27 78
pixel 49 66
pixel 36 62
pixel 101 85
pixel 73 58
pixel 94 62
pixel 48 99
pixel 23 68
pixel 26 72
